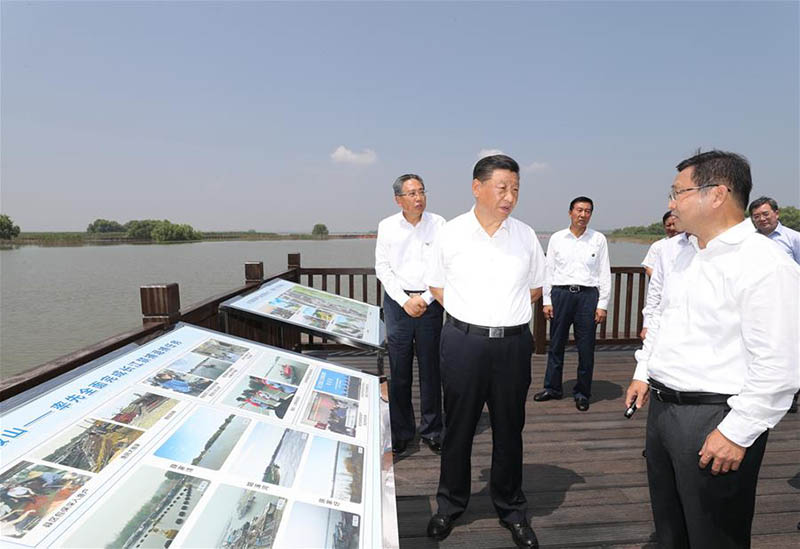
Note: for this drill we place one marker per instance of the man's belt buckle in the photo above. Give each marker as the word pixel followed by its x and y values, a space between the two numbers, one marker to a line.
pixel 495 332
pixel 574 289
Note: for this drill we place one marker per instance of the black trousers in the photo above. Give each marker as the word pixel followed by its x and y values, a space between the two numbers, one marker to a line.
pixel 576 309
pixel 478 370
pixel 405 335
pixel 691 507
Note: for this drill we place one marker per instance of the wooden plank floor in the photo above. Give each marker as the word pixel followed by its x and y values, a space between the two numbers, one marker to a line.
pixel 584 475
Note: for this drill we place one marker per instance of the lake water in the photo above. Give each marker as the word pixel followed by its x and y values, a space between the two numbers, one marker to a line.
pixel 55 300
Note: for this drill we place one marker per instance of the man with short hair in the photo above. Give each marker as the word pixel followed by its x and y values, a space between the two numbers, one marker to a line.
pixel 765 215
pixel 576 291
pixel 487 268
pixel 721 362
pixel 413 319
pixel 669 221
pixel 649 263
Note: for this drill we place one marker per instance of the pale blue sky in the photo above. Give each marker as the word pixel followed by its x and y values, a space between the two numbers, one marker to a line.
pixel 229 115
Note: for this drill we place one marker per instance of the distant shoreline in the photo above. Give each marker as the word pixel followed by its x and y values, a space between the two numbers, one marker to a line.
pixel 87 239
pixel 637 239
pixel 76 239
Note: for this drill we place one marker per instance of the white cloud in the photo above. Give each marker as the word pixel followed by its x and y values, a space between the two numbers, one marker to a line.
pixel 483 153
pixel 536 167
pixel 343 155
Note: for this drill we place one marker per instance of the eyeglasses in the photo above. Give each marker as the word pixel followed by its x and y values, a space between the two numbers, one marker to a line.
pixel 414 194
pixel 673 194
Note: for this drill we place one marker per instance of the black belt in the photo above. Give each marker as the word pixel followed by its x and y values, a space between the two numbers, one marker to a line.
pixel 664 394
pixel 414 292
pixel 493 332
pixel 574 288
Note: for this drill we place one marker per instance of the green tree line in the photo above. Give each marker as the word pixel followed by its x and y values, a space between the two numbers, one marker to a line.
pixel 146 229
pixel 789 217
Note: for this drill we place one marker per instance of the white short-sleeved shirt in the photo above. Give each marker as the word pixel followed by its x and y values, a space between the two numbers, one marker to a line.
pixel 487 279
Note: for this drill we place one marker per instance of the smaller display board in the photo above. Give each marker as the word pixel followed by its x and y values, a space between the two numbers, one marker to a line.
pixel 198 439
pixel 316 312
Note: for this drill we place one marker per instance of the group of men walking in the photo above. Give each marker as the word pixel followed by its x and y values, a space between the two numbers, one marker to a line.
pixel 485 268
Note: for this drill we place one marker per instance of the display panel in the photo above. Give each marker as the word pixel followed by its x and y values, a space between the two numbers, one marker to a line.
pixel 199 439
pixel 318 312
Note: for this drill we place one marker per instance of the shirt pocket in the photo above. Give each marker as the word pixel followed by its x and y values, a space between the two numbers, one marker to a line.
pixel 592 255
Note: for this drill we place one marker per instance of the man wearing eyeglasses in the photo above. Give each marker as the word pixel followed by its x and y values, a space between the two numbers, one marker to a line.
pixel 413 318
pixel 765 215
pixel 720 362
pixel 576 292
pixel 487 268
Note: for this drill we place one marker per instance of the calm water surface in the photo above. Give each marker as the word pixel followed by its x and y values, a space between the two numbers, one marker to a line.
pixel 56 300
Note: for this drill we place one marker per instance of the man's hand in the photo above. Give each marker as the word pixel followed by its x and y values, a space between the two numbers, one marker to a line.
pixel 643 334
pixel 548 311
pixel 599 315
pixel 723 454
pixel 415 306
pixel 638 392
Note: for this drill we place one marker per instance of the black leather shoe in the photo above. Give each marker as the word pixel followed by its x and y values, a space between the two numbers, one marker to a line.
pixel 433 444
pixel 544 396
pixel 522 533
pixel 582 403
pixel 399 447
pixel 440 526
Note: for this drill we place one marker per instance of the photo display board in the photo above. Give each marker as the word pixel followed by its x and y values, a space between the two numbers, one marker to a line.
pixel 199 439
pixel 320 313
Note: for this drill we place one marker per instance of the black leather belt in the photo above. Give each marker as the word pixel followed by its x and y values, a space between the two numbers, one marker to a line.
pixel 493 332
pixel 412 293
pixel 574 288
pixel 664 394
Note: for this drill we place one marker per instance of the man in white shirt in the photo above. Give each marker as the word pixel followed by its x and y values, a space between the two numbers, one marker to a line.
pixel 670 230
pixel 413 318
pixel 663 267
pixel 649 263
pixel 721 361
pixel 765 215
pixel 576 291
pixel 487 269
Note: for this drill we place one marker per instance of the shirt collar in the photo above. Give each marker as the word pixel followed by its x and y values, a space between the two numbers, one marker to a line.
pixel 586 234
pixel 734 235
pixel 404 222
pixel 476 225
pixel 778 229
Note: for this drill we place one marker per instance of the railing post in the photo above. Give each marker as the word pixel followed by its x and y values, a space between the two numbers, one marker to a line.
pixel 253 272
pixel 161 303
pixel 539 328
pixel 293 263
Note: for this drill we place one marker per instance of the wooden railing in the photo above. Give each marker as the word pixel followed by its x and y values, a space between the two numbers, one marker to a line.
pixel 624 314
pixel 161 309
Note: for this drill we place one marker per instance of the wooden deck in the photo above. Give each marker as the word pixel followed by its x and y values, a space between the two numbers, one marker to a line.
pixel 584 475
